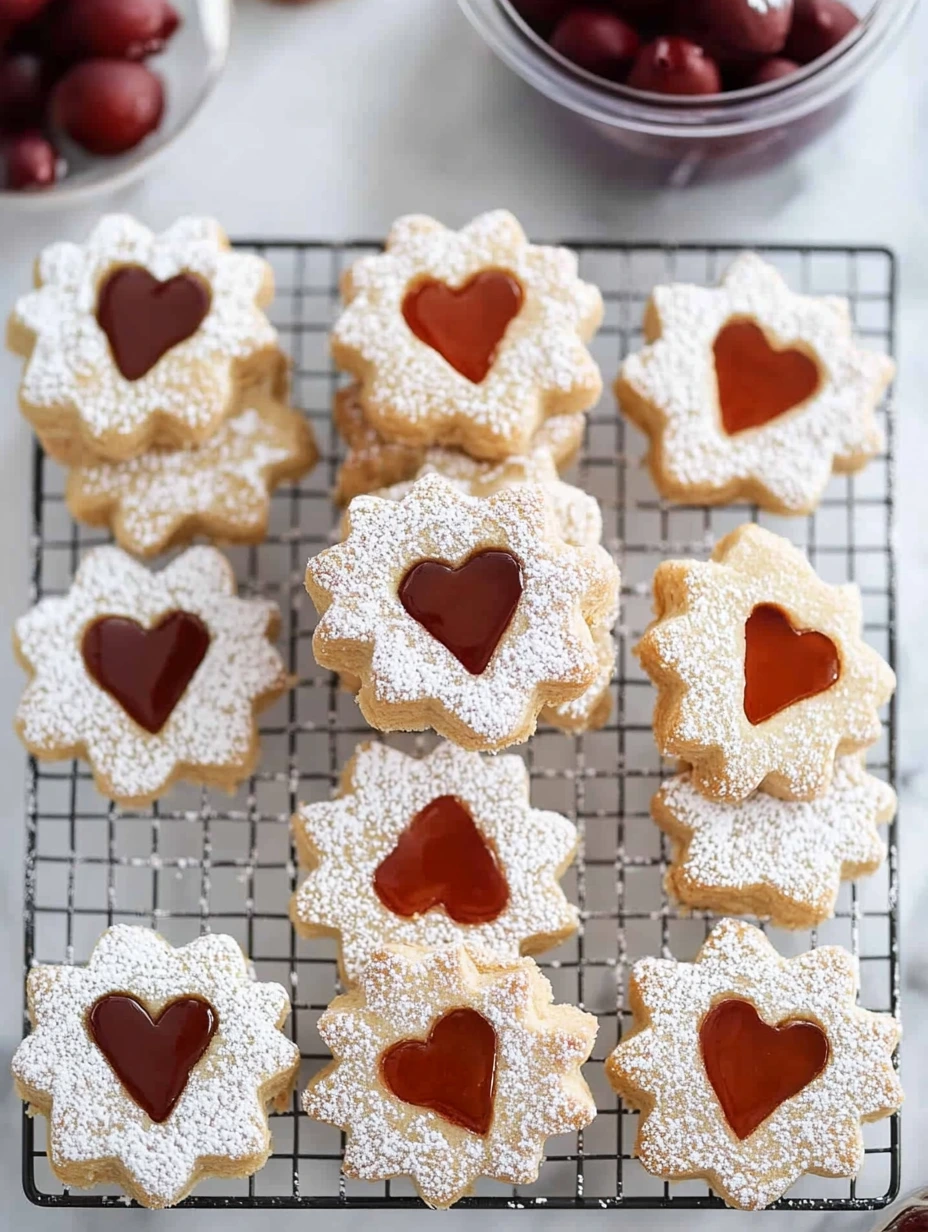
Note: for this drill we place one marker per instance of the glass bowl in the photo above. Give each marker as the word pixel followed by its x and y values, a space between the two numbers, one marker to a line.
pixel 190 66
pixel 678 139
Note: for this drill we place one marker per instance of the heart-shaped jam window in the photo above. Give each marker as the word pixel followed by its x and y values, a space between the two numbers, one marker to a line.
pixel 783 665
pixel 146 670
pixel 467 609
pixel 442 860
pixel 465 324
pixel 758 382
pixel 152 1057
pixel 753 1067
pixel 144 318
pixel 451 1073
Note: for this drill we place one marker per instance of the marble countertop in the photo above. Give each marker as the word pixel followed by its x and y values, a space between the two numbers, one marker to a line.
pixel 335 117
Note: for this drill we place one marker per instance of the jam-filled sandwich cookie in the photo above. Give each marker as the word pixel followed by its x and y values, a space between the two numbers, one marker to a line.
pixel 155 1066
pixel 151 677
pixel 429 852
pixel 782 859
pixel 750 1069
pixel 450 1065
pixel 373 462
pixel 761 670
pixel 469 338
pixel 465 615
pixel 749 391
pixel 221 489
pixel 135 339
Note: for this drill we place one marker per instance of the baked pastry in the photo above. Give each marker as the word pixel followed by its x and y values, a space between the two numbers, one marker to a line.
pixel 465 615
pixel 749 391
pixel 134 339
pixel 450 1065
pixel 761 670
pixel 221 489
pixel 430 852
pixel 750 1069
pixel 373 462
pixel 469 338
pixel 151 677
pixel 783 859
pixel 155 1066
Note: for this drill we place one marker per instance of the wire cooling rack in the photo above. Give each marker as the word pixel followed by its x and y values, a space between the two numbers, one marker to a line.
pixel 199 861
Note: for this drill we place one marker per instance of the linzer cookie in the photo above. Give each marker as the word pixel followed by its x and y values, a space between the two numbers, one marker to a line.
pixel 155 1066
pixel 781 859
pixel 373 462
pixel 151 677
pixel 749 1069
pixel 450 1065
pixel 134 339
pixel 761 670
pixel 468 338
pixel 465 615
pixel 429 852
pixel 749 391
pixel 221 489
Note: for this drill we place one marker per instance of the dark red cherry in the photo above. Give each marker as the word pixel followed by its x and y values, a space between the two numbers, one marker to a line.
pixel 108 106
pixel 543 14
pixel 597 41
pixel 18 11
pixel 114 29
pixel 674 65
pixel 774 69
pixel 735 29
pixel 30 161
pixel 648 12
pixel 22 92
pixel 818 25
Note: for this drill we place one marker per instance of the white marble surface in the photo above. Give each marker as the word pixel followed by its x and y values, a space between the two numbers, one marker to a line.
pixel 337 116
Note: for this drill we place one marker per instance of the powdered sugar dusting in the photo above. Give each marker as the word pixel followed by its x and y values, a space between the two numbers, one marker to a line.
pixel 221 1113
pixel 71 366
pixel 212 729
pixel 546 655
pixel 782 858
pixel 541 368
pixel 348 838
pixel 221 488
pixel 788 461
pixel 538 1089
pixel 683 1132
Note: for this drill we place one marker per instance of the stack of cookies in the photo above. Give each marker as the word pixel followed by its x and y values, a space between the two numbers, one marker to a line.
pixel 471 376
pixel 153 373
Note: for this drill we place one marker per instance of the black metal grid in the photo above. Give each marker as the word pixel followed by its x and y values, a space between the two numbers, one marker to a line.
pixel 197 861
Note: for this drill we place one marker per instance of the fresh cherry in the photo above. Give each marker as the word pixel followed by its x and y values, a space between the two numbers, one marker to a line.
pixel 774 69
pixel 30 161
pixel 543 13
pixel 674 65
pixel 18 11
pixel 818 25
pixel 22 92
pixel 597 41
pixel 735 29
pixel 108 106
pixel 114 29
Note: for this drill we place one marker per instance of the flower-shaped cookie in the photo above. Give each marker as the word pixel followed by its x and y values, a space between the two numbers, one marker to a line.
pixel 468 338
pixel 750 1069
pixel 450 1065
pixel 429 852
pixel 221 489
pixel 762 674
pixel 135 339
pixel 373 462
pixel 461 614
pixel 784 859
pixel 750 391
pixel 155 1066
pixel 151 677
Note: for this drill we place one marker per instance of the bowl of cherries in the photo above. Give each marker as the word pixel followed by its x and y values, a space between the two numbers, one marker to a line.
pixel 92 90
pixel 692 86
